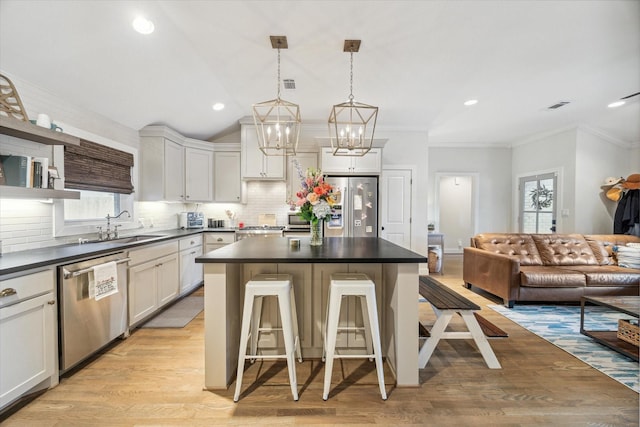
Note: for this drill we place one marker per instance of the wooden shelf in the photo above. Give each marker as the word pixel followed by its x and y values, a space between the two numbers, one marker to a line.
pixel 11 192
pixel 31 132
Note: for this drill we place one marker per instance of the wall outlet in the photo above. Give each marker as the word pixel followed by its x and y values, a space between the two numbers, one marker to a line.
pixel 141 223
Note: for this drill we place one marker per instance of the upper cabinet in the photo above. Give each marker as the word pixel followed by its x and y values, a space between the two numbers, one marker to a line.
pixel 174 168
pixel 227 182
pixel 255 165
pixel 369 164
pixel 30 132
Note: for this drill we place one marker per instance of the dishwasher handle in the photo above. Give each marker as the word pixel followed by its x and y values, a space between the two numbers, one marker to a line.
pixel 69 274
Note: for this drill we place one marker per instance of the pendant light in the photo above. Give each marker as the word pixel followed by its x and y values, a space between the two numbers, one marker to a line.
pixel 277 121
pixel 352 124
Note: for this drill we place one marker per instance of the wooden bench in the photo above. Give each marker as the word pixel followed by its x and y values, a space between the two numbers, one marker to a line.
pixel 445 303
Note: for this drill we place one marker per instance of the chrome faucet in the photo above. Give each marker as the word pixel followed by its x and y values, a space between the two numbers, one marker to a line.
pixel 108 232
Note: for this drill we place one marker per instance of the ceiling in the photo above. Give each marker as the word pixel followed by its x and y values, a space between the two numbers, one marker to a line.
pixel 418 62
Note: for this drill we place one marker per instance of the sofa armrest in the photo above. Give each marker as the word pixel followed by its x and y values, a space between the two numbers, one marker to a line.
pixel 495 273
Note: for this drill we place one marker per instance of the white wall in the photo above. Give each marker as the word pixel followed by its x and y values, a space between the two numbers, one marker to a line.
pixel 549 153
pixel 493 168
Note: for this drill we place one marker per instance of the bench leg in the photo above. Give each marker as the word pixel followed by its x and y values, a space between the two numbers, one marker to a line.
pixel 436 332
pixel 481 341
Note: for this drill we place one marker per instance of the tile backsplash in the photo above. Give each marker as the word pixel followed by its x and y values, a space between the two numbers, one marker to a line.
pixel 28 224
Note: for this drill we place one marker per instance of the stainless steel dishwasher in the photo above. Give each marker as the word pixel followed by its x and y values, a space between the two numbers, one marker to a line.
pixel 86 323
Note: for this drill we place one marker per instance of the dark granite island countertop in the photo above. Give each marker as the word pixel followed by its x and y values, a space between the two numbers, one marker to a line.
pixel 334 250
pixel 393 269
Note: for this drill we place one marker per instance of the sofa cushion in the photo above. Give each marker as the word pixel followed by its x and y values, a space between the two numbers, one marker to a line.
pixel 551 277
pixel 564 249
pixel 520 246
pixel 602 245
pixel 607 275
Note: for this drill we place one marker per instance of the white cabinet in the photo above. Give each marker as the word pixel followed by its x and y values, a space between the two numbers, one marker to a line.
pixel 255 165
pixel 369 164
pixel 227 179
pixel 174 168
pixel 198 175
pixel 306 161
pixel 191 273
pixel 28 334
pixel 153 279
pixel 218 239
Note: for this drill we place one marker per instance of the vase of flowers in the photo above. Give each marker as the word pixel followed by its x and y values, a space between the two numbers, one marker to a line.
pixel 315 200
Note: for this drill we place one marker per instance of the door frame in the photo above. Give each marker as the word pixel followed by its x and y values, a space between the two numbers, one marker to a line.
pixel 475 197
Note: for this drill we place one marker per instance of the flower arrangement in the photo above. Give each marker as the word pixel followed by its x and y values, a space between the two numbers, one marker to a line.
pixel 315 198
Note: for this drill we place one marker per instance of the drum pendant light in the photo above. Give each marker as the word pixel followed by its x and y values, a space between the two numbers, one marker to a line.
pixel 352 124
pixel 277 121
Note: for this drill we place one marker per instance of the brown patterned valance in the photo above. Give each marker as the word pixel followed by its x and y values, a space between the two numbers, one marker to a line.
pixel 96 167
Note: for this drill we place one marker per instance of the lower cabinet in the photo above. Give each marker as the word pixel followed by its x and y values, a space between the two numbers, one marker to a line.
pixel 28 335
pixel 217 239
pixel 154 279
pixel 191 273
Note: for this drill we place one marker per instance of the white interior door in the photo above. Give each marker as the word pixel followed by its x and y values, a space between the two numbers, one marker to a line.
pixel 538 196
pixel 395 202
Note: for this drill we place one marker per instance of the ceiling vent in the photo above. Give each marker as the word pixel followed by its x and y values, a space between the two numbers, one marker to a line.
pixel 558 105
pixel 289 83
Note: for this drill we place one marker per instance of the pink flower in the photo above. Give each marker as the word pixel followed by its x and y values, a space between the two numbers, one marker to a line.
pixel 312 198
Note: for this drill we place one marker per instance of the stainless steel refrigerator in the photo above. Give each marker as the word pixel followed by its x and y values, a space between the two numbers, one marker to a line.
pixel 356 211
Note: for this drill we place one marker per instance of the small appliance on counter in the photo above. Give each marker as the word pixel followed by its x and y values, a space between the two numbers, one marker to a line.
pixel 295 222
pixel 191 220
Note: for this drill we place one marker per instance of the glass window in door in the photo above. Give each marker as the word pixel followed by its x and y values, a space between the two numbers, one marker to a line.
pixel 538 195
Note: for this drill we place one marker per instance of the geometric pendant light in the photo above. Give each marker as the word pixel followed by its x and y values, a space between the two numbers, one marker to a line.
pixel 352 124
pixel 277 121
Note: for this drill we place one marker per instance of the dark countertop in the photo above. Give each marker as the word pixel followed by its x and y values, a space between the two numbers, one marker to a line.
pixel 334 250
pixel 70 253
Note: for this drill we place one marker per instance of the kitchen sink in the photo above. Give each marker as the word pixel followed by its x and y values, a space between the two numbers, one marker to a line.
pixel 137 238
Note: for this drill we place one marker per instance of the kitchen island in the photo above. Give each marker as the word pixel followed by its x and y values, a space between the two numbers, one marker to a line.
pixel 393 269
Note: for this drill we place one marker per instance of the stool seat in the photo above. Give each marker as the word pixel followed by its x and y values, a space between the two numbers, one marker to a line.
pixel 361 286
pixel 260 286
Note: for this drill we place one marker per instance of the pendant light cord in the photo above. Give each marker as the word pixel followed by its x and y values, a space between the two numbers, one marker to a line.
pixel 351 77
pixel 278 73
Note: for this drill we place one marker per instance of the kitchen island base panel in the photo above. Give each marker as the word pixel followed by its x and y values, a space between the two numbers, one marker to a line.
pixel 398 310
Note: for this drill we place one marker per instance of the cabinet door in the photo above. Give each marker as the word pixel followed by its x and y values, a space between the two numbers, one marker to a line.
pixel 255 165
pixel 27 346
pixel 143 299
pixel 306 161
pixel 274 167
pixel 173 171
pixel 331 163
pixel 198 175
pixel 191 273
pixel 227 180
pixel 369 163
pixel 168 278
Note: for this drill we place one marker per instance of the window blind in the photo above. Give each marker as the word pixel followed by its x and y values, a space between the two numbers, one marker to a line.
pixel 95 167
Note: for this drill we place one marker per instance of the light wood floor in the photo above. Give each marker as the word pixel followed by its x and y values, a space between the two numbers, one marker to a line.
pixel 155 377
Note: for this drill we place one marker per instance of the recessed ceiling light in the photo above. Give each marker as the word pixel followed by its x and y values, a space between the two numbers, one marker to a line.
pixel 616 104
pixel 143 25
pixel 471 102
pixel 218 106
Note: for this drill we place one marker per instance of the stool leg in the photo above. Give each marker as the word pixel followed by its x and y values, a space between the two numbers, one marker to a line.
pixel 244 337
pixel 367 325
pixel 294 314
pixel 326 324
pixel 333 316
pixel 255 325
pixel 287 331
pixel 375 332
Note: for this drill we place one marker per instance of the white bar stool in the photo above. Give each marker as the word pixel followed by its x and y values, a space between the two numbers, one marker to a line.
pixel 260 286
pixel 359 285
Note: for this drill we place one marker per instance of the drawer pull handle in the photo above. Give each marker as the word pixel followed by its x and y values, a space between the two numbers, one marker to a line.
pixel 52 302
pixel 7 292
pixel 220 239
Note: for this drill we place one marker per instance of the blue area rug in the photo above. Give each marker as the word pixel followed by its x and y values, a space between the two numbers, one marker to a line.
pixel 560 325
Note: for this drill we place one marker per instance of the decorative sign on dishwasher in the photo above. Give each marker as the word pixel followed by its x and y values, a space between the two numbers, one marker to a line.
pixel 105 281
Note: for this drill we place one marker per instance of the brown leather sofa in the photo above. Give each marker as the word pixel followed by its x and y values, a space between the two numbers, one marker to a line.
pixel 548 267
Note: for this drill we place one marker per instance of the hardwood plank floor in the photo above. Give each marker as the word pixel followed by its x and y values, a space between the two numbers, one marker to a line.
pixel 155 377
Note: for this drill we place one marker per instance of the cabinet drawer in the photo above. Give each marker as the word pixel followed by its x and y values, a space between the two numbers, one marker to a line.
pixel 191 241
pixel 152 252
pixel 26 286
pixel 225 237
